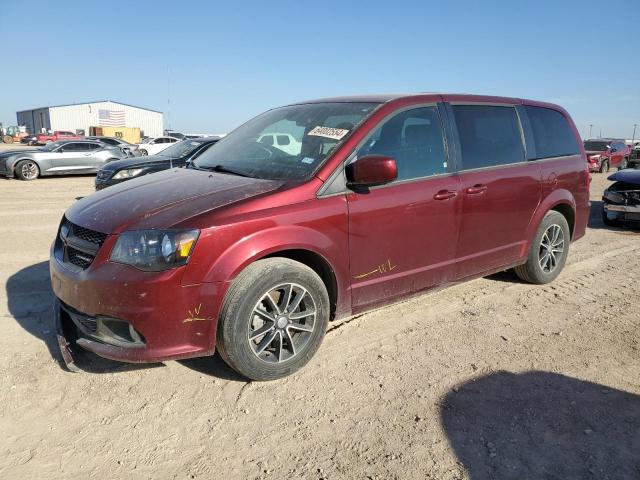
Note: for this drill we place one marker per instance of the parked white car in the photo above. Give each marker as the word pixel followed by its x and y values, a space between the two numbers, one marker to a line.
pixel 282 141
pixel 154 145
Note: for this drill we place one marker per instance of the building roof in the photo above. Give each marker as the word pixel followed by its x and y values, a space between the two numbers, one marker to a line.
pixel 89 103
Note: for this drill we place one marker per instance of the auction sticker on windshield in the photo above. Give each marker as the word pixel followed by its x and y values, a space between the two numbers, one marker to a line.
pixel 328 132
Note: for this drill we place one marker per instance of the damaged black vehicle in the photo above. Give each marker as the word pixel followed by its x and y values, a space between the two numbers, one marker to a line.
pixel 621 201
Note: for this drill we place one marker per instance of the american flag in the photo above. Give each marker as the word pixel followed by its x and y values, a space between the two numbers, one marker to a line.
pixel 111 118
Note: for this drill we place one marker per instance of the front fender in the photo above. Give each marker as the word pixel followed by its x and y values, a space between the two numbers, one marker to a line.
pixel 551 201
pixel 266 242
pixel 11 163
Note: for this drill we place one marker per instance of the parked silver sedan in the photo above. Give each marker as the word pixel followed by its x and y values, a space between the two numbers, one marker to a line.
pixel 58 158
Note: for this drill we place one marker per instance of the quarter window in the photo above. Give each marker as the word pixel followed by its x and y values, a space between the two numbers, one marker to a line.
pixel 414 139
pixel 489 135
pixel 551 133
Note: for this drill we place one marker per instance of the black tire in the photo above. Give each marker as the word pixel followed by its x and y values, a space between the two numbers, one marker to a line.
pixel 604 167
pixel 27 170
pixel 238 319
pixel 533 271
pixel 607 221
pixel 143 153
pixel 624 164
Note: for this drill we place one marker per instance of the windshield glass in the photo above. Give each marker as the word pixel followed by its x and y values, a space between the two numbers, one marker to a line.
pixel 595 146
pixel 287 143
pixel 180 149
pixel 49 147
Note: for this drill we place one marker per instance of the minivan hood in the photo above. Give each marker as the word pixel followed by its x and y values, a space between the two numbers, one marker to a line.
pixel 627 175
pixel 163 199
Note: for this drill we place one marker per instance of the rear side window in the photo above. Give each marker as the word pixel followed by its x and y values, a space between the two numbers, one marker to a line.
pixel 551 133
pixel 489 135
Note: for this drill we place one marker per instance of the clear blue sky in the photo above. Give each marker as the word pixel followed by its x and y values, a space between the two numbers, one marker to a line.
pixel 230 60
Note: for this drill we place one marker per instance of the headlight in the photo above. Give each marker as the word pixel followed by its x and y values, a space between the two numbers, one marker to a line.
pixel 129 173
pixel 154 250
pixel 613 196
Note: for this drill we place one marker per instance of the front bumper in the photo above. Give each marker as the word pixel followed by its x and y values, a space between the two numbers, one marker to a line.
pixel 174 321
pixel 622 213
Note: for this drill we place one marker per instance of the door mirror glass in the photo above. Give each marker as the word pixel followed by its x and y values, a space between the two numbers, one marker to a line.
pixel 371 170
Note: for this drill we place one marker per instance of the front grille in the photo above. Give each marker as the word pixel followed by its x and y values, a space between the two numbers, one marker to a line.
pixel 78 246
pixel 91 236
pixel 78 258
pixel 86 323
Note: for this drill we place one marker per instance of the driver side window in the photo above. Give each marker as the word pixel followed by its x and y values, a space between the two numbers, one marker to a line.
pixel 414 139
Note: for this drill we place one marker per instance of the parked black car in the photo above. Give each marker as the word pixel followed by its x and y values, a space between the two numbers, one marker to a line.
pixel 621 201
pixel 29 140
pixel 174 156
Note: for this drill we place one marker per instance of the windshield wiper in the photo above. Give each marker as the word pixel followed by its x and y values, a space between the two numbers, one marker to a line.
pixel 221 169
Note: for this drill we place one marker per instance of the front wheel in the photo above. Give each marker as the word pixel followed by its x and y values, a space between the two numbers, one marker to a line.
pixel 549 250
pixel 27 170
pixel 604 168
pixel 624 164
pixel 143 153
pixel 273 319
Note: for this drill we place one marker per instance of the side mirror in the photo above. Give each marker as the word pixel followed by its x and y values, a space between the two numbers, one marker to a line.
pixel 371 170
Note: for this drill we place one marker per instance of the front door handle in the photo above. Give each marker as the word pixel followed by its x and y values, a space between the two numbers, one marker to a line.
pixel 445 194
pixel 476 189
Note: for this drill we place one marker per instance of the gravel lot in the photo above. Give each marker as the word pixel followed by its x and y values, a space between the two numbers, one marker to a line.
pixel 489 379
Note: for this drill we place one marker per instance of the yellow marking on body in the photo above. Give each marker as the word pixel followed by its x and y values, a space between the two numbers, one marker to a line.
pixel 387 266
pixel 193 316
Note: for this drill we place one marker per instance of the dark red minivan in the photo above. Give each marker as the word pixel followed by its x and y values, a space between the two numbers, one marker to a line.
pixel 254 247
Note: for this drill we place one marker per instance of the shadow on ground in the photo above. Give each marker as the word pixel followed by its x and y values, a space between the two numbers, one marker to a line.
pixel 30 302
pixel 543 425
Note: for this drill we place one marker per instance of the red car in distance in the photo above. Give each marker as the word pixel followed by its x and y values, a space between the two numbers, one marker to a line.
pixel 604 153
pixel 251 250
pixel 55 136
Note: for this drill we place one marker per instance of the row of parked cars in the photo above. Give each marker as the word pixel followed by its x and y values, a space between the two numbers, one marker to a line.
pixel 87 155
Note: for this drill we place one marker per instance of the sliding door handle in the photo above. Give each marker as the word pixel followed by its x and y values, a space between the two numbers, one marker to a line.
pixel 445 194
pixel 476 189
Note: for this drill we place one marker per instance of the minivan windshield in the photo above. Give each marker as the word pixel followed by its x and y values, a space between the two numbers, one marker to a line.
pixel 595 146
pixel 287 143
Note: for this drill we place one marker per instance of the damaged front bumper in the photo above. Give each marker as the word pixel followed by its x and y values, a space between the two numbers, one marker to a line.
pixel 622 213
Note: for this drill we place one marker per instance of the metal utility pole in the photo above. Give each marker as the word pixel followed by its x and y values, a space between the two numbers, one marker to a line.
pixel 590 128
pixel 633 140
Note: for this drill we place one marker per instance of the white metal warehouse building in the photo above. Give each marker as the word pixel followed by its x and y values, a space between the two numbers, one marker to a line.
pixel 83 116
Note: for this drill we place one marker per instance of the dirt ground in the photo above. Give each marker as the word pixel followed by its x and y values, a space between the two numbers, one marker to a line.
pixel 489 379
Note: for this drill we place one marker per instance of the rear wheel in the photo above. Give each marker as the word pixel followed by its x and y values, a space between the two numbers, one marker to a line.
pixel 549 250
pixel 143 153
pixel 27 170
pixel 7 139
pixel 604 167
pixel 273 319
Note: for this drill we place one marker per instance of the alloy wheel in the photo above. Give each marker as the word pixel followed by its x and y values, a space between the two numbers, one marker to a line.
pixel 551 248
pixel 29 170
pixel 281 323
